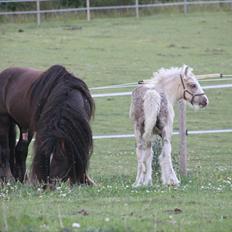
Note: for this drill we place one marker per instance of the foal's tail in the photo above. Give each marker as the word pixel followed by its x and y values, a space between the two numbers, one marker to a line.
pixel 151 107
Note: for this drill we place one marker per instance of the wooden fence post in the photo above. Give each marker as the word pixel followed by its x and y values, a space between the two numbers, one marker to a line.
pixel 38 11
pixel 137 8
pixel 185 7
pixel 88 9
pixel 183 138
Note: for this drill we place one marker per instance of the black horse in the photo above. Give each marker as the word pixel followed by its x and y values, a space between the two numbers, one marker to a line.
pixel 58 107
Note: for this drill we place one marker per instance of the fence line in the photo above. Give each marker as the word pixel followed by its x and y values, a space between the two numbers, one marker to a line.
pixel 20 1
pixel 134 84
pixel 120 94
pixel 201 78
pixel 185 4
pixel 194 132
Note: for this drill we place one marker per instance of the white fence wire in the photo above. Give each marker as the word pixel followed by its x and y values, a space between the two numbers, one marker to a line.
pixel 117 94
pixel 88 9
pixel 194 132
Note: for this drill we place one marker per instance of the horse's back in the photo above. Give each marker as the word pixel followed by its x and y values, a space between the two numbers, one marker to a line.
pixel 15 83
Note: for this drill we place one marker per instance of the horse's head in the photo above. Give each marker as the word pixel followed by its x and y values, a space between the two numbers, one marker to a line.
pixel 60 166
pixel 192 91
pixel 63 165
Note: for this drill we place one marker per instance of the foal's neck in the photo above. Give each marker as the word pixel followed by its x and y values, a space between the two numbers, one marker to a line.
pixel 171 87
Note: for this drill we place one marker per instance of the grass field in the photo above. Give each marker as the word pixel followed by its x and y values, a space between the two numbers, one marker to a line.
pixel 121 50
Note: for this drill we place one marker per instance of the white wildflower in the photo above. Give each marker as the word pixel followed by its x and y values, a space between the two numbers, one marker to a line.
pixel 76 225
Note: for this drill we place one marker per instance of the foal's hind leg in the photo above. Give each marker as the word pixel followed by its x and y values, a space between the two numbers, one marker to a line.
pixel 168 174
pixel 144 159
pixel 148 161
pixel 140 167
pixel 21 151
pixel 144 168
pixel 5 172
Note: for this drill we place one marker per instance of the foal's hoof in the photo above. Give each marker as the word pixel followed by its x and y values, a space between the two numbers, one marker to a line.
pixel 173 183
pixel 136 185
pixel 148 183
pixel 140 185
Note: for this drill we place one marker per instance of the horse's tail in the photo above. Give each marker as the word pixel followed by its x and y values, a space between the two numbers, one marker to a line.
pixel 62 109
pixel 151 107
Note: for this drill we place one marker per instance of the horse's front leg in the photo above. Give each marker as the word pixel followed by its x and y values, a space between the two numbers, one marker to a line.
pixel 5 172
pixel 21 152
pixel 168 175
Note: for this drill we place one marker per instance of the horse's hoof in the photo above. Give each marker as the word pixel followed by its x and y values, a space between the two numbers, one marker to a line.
pixel 6 176
pixel 89 181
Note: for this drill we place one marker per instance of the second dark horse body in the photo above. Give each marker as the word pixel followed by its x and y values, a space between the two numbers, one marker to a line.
pixel 58 107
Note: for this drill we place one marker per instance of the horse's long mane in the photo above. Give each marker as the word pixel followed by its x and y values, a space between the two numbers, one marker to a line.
pixel 61 107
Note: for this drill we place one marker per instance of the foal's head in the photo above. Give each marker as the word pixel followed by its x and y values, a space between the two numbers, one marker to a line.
pixel 192 91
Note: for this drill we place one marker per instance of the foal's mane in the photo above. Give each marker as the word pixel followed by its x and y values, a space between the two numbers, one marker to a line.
pixel 163 73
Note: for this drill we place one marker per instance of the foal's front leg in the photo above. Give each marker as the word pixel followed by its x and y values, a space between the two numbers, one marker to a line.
pixel 168 175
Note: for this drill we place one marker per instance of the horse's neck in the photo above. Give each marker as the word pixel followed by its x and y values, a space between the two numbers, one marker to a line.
pixel 171 88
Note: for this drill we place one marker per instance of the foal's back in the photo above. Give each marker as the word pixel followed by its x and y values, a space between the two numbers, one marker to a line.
pixel 137 101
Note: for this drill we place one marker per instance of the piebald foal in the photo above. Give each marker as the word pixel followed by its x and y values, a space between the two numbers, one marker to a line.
pixel 152 113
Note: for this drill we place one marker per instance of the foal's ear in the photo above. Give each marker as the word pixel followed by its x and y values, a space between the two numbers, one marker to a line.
pixel 185 69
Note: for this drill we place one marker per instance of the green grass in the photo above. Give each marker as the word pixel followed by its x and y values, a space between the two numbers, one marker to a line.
pixel 122 50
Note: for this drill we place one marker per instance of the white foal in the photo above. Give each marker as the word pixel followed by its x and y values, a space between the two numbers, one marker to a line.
pixel 152 113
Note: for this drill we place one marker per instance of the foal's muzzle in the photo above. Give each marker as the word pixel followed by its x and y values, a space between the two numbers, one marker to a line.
pixel 192 95
pixel 204 102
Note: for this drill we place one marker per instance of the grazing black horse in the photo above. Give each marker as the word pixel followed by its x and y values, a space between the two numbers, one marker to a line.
pixel 58 107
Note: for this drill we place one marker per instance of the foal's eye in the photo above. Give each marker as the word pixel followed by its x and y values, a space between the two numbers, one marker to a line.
pixel 193 86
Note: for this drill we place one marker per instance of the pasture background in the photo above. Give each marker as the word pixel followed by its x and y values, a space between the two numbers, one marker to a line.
pixel 120 50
